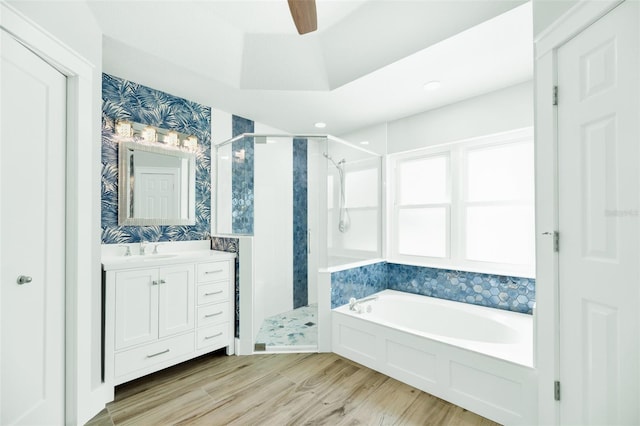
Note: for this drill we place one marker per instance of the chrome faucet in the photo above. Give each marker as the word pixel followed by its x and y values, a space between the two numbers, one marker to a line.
pixel 143 246
pixel 127 251
pixel 354 304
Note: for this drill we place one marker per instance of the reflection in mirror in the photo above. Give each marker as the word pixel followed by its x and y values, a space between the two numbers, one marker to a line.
pixel 156 185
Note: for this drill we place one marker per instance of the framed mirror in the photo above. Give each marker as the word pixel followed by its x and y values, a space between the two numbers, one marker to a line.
pixel 156 185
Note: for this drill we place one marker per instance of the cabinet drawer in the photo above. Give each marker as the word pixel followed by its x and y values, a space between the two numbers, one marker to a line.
pixel 154 353
pixel 216 292
pixel 213 314
pixel 213 271
pixel 216 335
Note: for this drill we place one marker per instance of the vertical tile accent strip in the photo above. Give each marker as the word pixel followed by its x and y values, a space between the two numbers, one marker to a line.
pixel 242 170
pixel 300 227
pixel 123 99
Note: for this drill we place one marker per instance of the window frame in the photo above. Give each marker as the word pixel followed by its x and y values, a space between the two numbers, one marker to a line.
pixel 458 205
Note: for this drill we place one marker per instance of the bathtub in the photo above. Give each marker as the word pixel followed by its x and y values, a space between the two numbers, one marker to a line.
pixel 478 358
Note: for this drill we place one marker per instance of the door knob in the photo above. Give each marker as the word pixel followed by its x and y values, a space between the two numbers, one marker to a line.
pixel 24 279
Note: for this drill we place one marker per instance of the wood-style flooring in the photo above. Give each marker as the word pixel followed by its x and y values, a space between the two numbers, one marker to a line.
pixel 276 389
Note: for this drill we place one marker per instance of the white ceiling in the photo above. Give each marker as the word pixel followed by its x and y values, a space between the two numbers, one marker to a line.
pixel 366 64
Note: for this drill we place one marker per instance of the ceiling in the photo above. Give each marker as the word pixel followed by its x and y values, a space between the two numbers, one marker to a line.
pixel 366 64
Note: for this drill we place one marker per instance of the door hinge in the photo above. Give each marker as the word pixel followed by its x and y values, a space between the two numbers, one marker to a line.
pixel 556 390
pixel 555 95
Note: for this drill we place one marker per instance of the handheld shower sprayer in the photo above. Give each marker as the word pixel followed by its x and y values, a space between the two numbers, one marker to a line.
pixel 344 222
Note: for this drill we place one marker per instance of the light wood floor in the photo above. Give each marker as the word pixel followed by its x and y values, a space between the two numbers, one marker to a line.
pixel 276 389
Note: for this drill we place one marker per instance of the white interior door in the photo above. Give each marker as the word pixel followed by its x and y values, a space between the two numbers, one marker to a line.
pixel 32 238
pixel 157 193
pixel 599 221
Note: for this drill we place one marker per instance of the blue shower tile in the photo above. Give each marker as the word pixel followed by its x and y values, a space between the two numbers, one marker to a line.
pixel 300 226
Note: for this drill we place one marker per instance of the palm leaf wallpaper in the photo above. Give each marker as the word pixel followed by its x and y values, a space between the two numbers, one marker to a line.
pixel 122 99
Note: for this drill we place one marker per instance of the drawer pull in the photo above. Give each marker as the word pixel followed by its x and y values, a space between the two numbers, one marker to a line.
pixel 213 272
pixel 215 335
pixel 159 353
pixel 213 315
pixel 214 292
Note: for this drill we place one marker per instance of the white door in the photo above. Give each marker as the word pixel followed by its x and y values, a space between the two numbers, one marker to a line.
pixel 157 193
pixel 136 312
pixel 176 299
pixel 32 237
pixel 599 219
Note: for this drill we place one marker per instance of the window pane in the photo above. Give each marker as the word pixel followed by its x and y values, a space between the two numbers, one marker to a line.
pixel 423 181
pixel 503 234
pixel 423 232
pixel 362 188
pixel 503 172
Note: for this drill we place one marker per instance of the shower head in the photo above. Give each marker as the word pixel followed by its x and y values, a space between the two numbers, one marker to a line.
pixel 338 164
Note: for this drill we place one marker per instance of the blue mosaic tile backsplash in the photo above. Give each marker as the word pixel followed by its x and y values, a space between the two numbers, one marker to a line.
pixel 242 170
pixel 300 235
pixel 122 99
pixel 357 282
pixel 495 291
pixel 230 245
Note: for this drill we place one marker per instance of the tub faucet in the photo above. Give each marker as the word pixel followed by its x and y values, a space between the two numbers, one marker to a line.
pixel 354 304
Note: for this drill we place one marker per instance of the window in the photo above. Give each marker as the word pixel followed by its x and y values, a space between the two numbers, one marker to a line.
pixel 467 205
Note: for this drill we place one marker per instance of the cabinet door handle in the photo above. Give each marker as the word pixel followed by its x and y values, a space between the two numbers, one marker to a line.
pixel 154 282
pixel 213 272
pixel 163 282
pixel 215 292
pixel 159 353
pixel 215 335
pixel 213 315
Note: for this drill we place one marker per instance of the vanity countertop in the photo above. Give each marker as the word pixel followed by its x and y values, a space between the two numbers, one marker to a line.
pixel 113 262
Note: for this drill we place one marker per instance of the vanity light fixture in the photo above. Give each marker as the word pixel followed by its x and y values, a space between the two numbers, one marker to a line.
pixel 149 134
pixel 143 133
pixel 124 129
pixel 190 142
pixel 320 125
pixel 171 138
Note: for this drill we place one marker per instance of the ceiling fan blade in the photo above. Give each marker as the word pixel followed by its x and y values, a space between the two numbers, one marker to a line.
pixel 304 15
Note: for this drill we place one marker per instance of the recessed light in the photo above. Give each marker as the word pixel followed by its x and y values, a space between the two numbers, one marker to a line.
pixel 320 125
pixel 364 143
pixel 432 85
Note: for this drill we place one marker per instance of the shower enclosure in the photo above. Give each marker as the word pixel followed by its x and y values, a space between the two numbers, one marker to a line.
pixel 303 203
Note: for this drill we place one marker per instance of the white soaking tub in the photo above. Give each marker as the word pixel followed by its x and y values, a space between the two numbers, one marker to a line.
pixel 478 358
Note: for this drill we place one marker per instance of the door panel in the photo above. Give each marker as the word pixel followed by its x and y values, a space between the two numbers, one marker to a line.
pixel 32 238
pixel 177 303
pixel 136 307
pixel 599 184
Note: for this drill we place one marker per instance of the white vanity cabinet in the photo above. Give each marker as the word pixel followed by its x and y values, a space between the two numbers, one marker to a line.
pixel 158 316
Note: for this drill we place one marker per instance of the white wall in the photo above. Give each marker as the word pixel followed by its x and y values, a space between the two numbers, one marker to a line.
pixel 545 12
pixel 273 226
pixel 74 26
pixel 495 112
pixel 376 136
pixel 221 130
